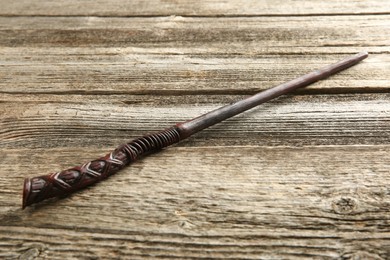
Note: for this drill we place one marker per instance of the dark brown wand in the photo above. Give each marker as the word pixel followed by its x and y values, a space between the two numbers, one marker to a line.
pixel 62 183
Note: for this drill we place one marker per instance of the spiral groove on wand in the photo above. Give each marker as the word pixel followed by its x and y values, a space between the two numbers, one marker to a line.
pixel 65 182
pixel 62 183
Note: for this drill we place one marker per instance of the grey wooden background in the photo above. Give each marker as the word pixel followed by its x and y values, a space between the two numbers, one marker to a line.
pixel 303 176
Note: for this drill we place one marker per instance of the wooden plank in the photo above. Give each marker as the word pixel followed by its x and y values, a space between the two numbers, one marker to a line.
pixel 305 176
pixel 308 202
pixel 196 32
pixel 288 121
pixel 192 8
pixel 198 55
pixel 108 71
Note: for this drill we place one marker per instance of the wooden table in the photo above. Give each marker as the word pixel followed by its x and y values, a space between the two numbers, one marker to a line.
pixel 304 176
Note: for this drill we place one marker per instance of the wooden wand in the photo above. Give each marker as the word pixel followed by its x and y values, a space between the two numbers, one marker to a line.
pixel 62 183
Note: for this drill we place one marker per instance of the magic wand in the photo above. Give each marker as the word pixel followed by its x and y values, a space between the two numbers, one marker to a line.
pixel 62 183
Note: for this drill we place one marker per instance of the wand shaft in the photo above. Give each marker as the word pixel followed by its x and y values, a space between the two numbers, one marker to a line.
pixel 62 183
pixel 197 124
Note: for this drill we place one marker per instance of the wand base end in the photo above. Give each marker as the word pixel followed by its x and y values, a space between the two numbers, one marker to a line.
pixel 26 192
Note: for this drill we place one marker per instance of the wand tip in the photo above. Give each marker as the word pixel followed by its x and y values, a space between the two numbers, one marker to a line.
pixel 363 55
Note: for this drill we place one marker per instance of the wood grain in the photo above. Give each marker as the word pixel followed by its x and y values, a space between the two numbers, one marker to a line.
pixel 288 121
pixel 70 71
pixel 187 55
pixel 305 176
pixel 311 202
pixel 196 32
pixel 192 8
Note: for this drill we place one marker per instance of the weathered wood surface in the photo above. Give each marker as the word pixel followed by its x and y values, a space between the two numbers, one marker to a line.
pixel 288 121
pixel 189 202
pixel 303 176
pixel 192 8
pixel 184 55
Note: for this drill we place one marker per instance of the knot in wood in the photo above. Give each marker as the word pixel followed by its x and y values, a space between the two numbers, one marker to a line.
pixel 358 255
pixel 344 205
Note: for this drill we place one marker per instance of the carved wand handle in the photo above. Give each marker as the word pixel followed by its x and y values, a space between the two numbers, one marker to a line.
pixel 61 183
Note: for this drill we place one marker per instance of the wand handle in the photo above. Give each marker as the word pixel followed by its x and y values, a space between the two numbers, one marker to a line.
pixel 62 183
pixel 68 181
